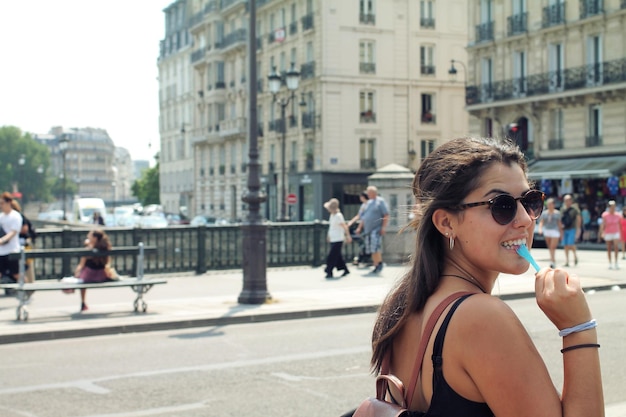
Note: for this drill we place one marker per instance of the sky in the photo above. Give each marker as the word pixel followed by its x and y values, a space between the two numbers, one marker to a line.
pixel 83 63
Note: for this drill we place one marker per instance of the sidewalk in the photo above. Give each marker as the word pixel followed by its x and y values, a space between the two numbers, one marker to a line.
pixel 210 299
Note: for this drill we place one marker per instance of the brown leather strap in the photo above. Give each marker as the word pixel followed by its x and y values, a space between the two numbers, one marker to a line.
pixel 428 330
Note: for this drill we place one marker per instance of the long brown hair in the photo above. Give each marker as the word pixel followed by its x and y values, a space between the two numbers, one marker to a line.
pixel 443 180
pixel 102 244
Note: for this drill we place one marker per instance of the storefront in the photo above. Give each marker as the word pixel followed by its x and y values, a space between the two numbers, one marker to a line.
pixel 593 181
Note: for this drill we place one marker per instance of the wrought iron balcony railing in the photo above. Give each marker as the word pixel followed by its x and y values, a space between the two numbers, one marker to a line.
pixel 518 23
pixel 368 117
pixel 553 15
pixel 367 67
pixel 367 18
pixel 307 70
pixel 368 163
pixel 307 22
pixel 308 120
pixel 427 23
pixel 484 32
pixel 427 69
pixel 589 8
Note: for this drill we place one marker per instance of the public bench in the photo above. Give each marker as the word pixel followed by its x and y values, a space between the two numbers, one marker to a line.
pixel 138 284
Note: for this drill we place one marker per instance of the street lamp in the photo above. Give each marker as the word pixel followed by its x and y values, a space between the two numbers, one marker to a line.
pixel 63 144
pixel 453 71
pixel 292 79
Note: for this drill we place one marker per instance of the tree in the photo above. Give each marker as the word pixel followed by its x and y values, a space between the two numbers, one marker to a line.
pixel 29 178
pixel 146 189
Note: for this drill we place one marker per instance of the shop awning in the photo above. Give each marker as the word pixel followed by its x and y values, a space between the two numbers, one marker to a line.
pixel 591 167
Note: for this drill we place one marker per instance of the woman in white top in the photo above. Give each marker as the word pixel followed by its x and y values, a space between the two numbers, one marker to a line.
pixel 552 229
pixel 337 232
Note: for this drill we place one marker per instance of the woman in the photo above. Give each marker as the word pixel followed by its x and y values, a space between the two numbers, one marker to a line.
pixel 623 232
pixel 477 207
pixel 337 232
pixel 92 268
pixel 552 229
pixel 610 231
pixel 363 257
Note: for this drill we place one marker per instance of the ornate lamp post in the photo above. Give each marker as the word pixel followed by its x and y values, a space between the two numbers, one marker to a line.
pixel 292 79
pixel 63 144
pixel 253 231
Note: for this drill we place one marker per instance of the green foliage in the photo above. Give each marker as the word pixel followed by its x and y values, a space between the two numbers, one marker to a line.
pixel 146 189
pixel 34 185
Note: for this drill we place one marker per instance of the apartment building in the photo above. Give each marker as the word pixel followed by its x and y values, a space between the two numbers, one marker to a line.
pixel 87 160
pixel 374 89
pixel 552 75
pixel 176 110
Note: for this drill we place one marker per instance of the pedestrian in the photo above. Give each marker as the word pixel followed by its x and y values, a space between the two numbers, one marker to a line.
pixel 363 256
pixel 586 223
pixel 338 232
pixel 27 240
pixel 610 230
pixel 10 227
pixel 571 220
pixel 623 232
pixel 551 228
pixel 373 225
pixel 97 218
pixel 91 269
pixel 477 208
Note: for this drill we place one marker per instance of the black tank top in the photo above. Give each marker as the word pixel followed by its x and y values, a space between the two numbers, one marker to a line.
pixel 445 401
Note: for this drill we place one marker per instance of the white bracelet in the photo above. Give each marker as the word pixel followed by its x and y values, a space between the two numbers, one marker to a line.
pixel 591 324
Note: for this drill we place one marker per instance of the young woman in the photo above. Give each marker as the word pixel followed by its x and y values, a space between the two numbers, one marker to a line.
pixel 477 207
pixel 610 230
pixel 551 228
pixel 92 268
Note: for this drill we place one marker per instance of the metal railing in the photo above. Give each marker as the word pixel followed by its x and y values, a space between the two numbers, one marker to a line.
pixel 553 15
pixel 367 67
pixel 484 32
pixel 518 23
pixel 590 8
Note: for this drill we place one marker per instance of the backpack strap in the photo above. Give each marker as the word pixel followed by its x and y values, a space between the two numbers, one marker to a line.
pixel 428 330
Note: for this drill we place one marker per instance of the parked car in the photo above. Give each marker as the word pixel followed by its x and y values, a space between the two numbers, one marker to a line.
pixel 174 219
pixel 153 222
pixel 202 220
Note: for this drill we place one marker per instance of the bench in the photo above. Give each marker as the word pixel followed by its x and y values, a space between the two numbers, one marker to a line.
pixel 138 284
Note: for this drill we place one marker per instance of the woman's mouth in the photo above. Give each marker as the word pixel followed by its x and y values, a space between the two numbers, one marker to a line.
pixel 514 244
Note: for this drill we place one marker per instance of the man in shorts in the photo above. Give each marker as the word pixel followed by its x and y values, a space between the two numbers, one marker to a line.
pixel 571 220
pixel 374 219
pixel 11 224
pixel 610 232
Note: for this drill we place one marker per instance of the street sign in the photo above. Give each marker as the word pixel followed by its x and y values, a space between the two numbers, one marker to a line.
pixel 291 199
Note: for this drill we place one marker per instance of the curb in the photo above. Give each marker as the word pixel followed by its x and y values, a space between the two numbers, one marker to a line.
pixel 224 321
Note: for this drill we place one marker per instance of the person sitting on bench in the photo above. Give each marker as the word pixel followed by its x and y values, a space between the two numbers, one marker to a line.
pixel 92 268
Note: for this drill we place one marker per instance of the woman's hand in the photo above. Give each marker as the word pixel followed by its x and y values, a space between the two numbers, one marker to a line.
pixel 561 298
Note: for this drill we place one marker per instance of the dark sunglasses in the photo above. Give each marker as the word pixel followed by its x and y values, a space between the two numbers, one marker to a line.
pixel 504 207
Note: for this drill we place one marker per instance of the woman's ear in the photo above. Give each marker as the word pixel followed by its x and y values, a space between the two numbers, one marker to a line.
pixel 443 221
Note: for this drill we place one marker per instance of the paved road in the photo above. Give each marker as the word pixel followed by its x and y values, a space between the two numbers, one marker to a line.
pixel 309 367
pixel 211 299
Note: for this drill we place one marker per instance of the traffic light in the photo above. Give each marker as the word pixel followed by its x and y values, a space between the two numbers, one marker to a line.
pixel 512 129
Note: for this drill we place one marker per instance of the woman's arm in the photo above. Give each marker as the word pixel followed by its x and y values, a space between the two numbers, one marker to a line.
pixel 80 266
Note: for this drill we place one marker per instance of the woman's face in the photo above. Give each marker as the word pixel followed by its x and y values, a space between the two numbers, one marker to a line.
pixel 91 239
pixel 483 246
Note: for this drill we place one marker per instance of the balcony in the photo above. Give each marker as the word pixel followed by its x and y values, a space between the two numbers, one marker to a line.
pixel 293 166
pixel 555 144
pixel 367 117
pixel 233 127
pixel 307 22
pixel 277 125
pixel 553 15
pixel 308 120
pixel 220 84
pixel 198 55
pixel 591 141
pixel 367 18
pixel 271 167
pixel 517 24
pixel 427 23
pixel 235 39
pixel 293 121
pixel 427 69
pixel 293 28
pixel 589 8
pixel 576 78
pixel 369 164
pixel 226 4
pixel 367 68
pixel 307 70
pixel 484 32
pixel 309 163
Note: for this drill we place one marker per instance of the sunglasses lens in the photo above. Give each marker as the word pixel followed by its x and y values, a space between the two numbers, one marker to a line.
pixel 503 209
pixel 533 203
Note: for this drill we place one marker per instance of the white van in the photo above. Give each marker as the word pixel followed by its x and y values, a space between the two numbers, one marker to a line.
pixel 83 209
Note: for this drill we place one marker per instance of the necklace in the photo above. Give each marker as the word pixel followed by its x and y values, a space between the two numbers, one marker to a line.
pixel 470 280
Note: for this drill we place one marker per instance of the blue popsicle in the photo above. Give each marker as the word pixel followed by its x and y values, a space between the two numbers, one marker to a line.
pixel 523 251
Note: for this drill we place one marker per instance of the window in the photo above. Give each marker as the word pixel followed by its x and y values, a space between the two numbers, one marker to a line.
pixel 595 126
pixel 366 106
pixel 556 129
pixel 367 153
pixel 367 63
pixel 309 52
pixel 555 63
pixel 366 12
pixel 294 57
pixel 233 158
pixel 283 62
pixel 427 54
pixel 486 78
pixel 594 60
pixel 427 19
pixel 519 74
pixel 428 108
pixel 426 147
